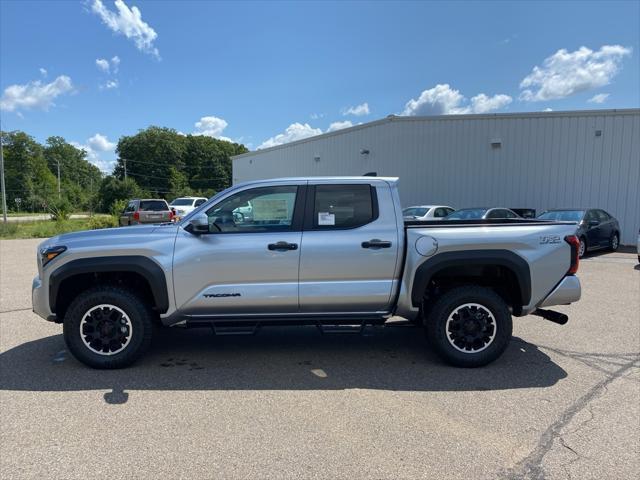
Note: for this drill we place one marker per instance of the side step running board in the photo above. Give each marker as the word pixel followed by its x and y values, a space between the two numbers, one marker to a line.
pixel 555 317
pixel 251 329
pixel 334 329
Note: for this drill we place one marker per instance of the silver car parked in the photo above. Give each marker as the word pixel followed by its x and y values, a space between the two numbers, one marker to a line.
pixel 427 212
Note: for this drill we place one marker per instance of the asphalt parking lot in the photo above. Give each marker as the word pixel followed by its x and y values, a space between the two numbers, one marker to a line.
pixel 563 402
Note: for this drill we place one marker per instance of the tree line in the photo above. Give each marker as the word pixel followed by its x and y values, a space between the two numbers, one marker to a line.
pixel 156 162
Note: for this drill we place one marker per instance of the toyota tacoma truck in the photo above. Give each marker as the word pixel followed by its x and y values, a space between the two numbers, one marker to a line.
pixel 332 252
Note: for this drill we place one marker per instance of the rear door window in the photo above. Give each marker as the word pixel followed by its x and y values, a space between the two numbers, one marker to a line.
pixel 200 202
pixel 602 215
pixel 153 206
pixel 441 212
pixel 343 206
pixel 591 216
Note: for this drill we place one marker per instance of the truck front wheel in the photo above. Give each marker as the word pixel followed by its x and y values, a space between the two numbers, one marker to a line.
pixel 469 326
pixel 107 327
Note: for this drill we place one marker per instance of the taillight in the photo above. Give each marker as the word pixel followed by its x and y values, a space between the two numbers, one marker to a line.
pixel 574 242
pixel 136 215
pixel 170 215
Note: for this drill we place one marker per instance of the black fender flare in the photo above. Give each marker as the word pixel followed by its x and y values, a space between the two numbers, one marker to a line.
pixel 503 258
pixel 147 268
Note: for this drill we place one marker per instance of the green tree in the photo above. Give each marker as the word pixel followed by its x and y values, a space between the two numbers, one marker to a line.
pixel 148 156
pixel 79 178
pixel 178 184
pixel 160 159
pixel 113 189
pixel 27 177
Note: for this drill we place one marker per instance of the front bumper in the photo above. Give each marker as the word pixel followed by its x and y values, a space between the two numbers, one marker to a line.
pixel 40 301
pixel 567 291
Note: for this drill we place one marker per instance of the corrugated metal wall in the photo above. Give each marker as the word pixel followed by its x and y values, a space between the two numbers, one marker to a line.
pixel 546 160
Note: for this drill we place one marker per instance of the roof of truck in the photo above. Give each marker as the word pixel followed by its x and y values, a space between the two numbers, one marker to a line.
pixel 313 179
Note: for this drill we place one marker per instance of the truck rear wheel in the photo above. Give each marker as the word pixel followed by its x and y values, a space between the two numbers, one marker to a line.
pixel 107 327
pixel 469 326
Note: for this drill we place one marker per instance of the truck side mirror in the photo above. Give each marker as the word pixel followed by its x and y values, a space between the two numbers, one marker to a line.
pixel 198 224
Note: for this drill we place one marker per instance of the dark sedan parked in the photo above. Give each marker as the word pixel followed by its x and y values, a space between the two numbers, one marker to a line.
pixel 596 228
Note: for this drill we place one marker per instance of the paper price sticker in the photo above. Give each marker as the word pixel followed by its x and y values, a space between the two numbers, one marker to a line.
pixel 326 218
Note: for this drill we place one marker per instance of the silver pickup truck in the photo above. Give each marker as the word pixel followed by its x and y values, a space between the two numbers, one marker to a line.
pixel 332 252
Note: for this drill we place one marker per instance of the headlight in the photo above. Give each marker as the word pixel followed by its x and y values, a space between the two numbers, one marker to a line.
pixel 49 253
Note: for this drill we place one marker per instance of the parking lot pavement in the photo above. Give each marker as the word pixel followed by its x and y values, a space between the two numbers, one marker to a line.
pixel 563 402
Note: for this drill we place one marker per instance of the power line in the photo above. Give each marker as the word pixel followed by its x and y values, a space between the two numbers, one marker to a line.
pixel 129 160
pixel 168 178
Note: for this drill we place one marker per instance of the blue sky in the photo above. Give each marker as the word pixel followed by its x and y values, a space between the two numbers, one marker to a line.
pixel 264 73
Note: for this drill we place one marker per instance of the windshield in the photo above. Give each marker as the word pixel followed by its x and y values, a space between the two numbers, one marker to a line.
pixel 467 214
pixel 414 212
pixel 563 215
pixel 182 202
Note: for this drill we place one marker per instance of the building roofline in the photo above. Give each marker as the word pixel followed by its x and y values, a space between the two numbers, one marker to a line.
pixel 436 118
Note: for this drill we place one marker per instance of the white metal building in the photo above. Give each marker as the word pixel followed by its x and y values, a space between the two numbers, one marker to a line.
pixel 521 160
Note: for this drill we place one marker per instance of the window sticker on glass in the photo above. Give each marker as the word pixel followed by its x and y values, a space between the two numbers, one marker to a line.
pixel 326 218
pixel 270 209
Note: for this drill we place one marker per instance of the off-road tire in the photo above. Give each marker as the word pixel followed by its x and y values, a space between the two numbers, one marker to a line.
pixel 447 304
pixel 138 313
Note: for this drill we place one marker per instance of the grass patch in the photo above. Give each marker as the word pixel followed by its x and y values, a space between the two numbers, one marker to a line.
pixel 49 228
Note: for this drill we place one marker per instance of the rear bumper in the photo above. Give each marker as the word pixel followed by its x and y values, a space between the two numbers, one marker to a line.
pixel 567 291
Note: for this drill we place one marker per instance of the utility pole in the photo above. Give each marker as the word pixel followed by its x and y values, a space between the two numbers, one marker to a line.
pixel 4 188
pixel 125 168
pixel 58 178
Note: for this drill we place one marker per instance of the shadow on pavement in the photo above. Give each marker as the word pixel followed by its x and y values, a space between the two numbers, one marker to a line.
pixel 299 358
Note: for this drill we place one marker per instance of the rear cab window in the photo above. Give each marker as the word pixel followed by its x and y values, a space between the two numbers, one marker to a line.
pixel 338 206
pixel 153 206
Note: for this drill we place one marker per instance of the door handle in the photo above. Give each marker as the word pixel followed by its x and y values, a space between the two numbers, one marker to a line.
pixel 281 246
pixel 375 243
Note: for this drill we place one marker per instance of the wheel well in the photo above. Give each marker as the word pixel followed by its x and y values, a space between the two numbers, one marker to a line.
pixel 74 285
pixel 499 278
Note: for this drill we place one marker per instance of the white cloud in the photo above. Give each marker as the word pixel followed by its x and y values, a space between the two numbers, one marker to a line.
pixel 566 73
pixel 35 94
pixel 101 143
pixel 115 63
pixel 128 22
pixel 339 126
pixel 444 100
pixel 548 109
pixel 599 98
pixel 483 104
pixel 358 110
pixel 316 116
pixel 43 72
pixel 211 127
pixel 95 144
pixel 110 84
pixel 295 131
pixel 102 64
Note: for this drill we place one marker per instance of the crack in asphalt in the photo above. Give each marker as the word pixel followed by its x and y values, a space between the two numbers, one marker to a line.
pixel 531 466
pixel 16 310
